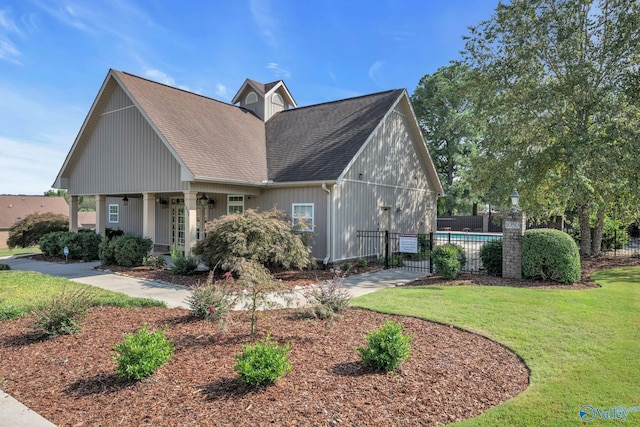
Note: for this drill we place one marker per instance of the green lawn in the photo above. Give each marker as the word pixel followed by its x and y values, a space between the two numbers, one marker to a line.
pixel 583 347
pixel 21 290
pixel 17 251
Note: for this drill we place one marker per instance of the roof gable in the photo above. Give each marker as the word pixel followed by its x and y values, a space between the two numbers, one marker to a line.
pixel 316 143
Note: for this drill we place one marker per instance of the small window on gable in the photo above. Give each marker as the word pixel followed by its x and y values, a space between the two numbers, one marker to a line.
pixel 277 99
pixel 235 204
pixel 251 98
pixel 114 213
pixel 302 216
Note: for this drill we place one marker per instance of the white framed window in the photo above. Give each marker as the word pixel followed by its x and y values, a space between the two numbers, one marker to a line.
pixel 235 204
pixel 302 216
pixel 114 213
pixel 251 98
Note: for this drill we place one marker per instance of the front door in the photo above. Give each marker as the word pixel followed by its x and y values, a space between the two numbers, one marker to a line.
pixel 177 224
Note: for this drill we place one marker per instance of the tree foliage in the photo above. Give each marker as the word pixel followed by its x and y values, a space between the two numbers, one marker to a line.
pixel 28 231
pixel 264 237
pixel 556 90
pixel 444 111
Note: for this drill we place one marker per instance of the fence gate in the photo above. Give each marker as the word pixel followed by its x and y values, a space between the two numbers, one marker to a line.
pixel 396 250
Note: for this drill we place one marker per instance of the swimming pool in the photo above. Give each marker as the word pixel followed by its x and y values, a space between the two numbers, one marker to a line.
pixel 469 237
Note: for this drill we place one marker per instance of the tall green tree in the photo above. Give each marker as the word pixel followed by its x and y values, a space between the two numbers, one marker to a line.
pixel 445 115
pixel 556 90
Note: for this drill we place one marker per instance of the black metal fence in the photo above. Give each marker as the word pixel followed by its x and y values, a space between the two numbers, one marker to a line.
pixel 383 248
pixel 620 243
pixel 471 242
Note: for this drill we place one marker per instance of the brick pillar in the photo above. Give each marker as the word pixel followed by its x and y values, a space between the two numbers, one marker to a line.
pixel 513 227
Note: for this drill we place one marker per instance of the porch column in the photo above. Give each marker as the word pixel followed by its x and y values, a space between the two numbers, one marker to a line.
pixel 101 214
pixel 190 221
pixel 149 216
pixel 73 214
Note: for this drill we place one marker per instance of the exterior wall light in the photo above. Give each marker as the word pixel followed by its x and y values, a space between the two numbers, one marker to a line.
pixel 125 201
pixel 203 200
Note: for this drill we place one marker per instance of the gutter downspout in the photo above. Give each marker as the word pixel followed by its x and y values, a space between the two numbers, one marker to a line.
pixel 326 259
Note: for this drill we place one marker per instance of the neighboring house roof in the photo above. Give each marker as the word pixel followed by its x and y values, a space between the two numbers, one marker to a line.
pixel 86 219
pixel 317 142
pixel 16 208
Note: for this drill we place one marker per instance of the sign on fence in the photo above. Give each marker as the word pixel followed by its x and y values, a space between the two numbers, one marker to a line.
pixel 409 243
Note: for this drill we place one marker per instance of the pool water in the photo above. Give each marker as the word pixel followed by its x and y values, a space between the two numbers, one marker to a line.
pixel 472 237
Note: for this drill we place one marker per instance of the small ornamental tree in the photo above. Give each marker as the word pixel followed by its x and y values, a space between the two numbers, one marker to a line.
pixel 28 231
pixel 266 238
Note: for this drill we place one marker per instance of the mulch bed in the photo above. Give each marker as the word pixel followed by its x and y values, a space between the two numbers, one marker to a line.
pixel 451 374
pixel 70 380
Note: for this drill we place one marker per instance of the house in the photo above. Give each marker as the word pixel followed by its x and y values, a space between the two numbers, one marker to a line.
pixel 16 208
pixel 162 161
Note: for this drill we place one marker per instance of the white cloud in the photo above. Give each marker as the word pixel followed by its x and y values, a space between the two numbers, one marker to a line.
pixel 222 92
pixel 28 167
pixel 262 16
pixel 375 70
pixel 8 50
pixel 162 77
pixel 279 72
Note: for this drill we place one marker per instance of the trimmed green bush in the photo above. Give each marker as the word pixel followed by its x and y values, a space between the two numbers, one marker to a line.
pixel 182 265
pixel 262 363
pixel 82 245
pixel 28 231
pixel 387 347
pixel 156 262
pixel 142 353
pixel 126 250
pixel 61 315
pixel 265 237
pixel 449 260
pixel 5 267
pixel 550 255
pixel 491 256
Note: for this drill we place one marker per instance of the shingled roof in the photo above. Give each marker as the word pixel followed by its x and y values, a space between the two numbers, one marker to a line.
pixel 212 138
pixel 316 143
pixel 16 208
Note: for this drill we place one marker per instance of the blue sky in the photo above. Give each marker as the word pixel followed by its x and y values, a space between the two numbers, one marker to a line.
pixel 55 54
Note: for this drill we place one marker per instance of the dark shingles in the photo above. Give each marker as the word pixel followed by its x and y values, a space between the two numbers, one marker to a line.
pixel 316 143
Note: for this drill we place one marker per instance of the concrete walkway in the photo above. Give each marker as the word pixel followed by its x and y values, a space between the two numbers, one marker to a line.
pixel 15 414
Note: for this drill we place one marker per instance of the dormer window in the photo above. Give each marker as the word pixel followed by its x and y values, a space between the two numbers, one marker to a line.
pixel 251 98
pixel 277 99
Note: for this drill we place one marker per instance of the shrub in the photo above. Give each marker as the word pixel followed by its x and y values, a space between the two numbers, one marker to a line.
pixel 361 262
pixel 327 301
pixel 126 250
pixel 28 231
pixel 50 243
pixel 156 262
pixel 61 315
pixel 182 265
pixel 266 238
pixel 4 267
pixel 491 256
pixel 346 266
pixel 262 363
pixel 110 233
pixel 142 353
pixel 213 300
pixel 396 261
pixel 387 347
pixel 83 245
pixel 550 255
pixel 448 260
